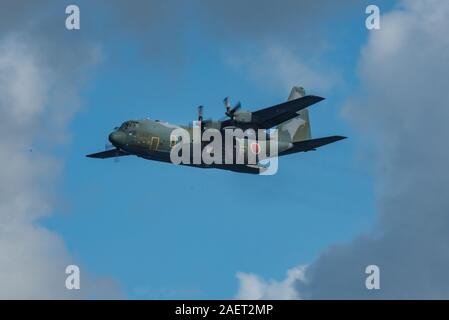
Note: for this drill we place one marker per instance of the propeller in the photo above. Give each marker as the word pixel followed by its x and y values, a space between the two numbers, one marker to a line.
pixel 200 113
pixel 227 104
pixel 231 111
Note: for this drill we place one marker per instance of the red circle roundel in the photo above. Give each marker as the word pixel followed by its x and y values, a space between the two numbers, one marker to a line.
pixel 255 148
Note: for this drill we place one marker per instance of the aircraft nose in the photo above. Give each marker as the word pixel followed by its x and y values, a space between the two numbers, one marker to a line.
pixel 116 138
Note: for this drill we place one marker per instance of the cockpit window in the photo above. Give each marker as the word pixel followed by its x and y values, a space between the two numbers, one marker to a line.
pixel 129 125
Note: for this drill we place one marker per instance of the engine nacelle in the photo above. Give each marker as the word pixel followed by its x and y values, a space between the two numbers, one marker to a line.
pixel 243 116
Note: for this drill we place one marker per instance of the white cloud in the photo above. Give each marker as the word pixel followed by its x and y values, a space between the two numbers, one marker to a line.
pixel 279 67
pixel 401 106
pixel 24 92
pixel 33 259
pixel 253 287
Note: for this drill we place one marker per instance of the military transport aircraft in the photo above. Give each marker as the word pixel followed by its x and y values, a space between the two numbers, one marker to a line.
pixel 153 139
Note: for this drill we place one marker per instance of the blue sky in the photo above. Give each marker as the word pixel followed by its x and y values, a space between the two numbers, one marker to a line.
pixel 163 231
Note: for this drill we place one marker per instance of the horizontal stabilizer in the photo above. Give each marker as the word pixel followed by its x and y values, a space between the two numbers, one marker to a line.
pixel 312 144
pixel 108 154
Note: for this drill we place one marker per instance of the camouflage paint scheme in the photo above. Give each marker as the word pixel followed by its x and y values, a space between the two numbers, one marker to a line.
pixel 154 139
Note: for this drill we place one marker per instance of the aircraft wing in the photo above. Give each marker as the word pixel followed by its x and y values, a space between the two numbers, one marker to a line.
pixel 272 116
pixel 312 144
pixel 108 154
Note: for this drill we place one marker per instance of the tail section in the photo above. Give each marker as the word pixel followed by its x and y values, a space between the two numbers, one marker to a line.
pixel 298 128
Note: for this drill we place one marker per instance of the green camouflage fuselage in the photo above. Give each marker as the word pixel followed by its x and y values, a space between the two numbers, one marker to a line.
pixel 154 139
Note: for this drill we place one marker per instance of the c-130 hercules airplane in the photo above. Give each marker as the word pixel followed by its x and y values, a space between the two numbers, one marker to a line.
pixel 154 139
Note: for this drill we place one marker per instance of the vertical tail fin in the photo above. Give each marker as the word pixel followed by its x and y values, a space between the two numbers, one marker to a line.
pixel 298 128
